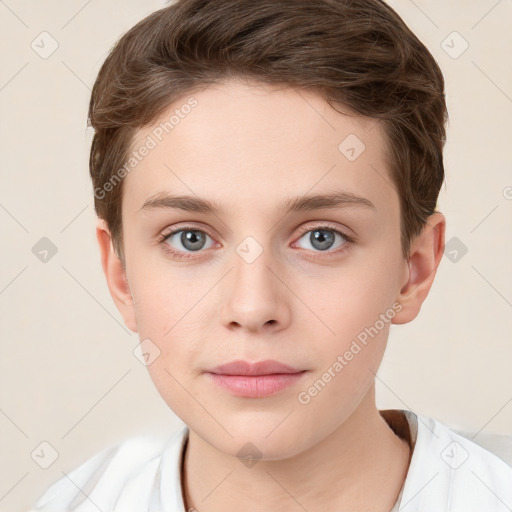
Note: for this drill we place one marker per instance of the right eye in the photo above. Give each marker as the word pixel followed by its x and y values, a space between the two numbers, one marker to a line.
pixel 189 238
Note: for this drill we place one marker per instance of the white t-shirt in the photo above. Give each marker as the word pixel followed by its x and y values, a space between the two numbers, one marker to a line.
pixel 447 473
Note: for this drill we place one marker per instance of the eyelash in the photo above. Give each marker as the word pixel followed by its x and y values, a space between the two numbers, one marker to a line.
pixel 176 254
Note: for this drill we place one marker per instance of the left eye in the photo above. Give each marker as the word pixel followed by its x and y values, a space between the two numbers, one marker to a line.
pixel 323 239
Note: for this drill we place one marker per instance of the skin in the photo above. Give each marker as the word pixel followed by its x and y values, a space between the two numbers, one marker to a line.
pixel 248 147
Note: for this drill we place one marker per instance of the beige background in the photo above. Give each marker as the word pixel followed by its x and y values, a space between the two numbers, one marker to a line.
pixel 68 375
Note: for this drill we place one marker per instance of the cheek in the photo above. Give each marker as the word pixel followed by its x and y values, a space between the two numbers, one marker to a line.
pixel 165 317
pixel 345 301
pixel 354 311
pixel 347 361
pixel 161 300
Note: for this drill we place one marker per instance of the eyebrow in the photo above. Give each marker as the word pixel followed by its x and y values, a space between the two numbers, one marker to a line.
pixel 336 199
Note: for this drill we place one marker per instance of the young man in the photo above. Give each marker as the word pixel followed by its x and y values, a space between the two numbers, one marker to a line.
pixel 266 177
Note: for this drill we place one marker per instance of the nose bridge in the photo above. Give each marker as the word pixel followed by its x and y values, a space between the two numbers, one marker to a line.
pixel 254 298
pixel 252 273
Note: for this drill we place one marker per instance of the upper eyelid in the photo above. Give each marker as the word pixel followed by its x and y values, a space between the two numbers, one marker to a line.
pixel 311 225
pixel 172 231
pixel 322 225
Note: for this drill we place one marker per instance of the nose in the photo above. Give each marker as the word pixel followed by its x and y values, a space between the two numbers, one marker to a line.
pixel 255 297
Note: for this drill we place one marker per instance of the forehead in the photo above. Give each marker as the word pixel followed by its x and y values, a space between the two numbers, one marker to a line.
pixel 242 144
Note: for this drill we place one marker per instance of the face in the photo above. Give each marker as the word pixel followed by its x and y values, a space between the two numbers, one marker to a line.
pixel 264 274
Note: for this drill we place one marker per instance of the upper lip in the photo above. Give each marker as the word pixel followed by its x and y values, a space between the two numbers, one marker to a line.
pixel 267 367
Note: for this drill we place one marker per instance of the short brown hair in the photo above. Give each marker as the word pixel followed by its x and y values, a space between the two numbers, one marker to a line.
pixel 355 53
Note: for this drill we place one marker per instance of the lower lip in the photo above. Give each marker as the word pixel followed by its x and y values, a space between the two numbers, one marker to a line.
pixel 256 386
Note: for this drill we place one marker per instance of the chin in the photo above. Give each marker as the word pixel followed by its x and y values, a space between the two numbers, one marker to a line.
pixel 258 439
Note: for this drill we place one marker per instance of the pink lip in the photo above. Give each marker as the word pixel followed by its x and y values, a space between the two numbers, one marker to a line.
pixel 255 380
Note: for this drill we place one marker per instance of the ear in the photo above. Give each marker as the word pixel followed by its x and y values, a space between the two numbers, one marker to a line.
pixel 420 269
pixel 115 273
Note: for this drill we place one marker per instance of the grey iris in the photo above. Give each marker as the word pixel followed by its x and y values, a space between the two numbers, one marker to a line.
pixel 321 238
pixel 193 240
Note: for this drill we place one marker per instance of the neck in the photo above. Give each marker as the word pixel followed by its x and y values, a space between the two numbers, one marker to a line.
pixel 359 466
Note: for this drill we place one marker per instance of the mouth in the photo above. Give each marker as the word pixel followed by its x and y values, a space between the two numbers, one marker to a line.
pixel 255 380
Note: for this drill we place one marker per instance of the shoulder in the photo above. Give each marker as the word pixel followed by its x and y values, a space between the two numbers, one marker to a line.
pixel 106 480
pixel 451 472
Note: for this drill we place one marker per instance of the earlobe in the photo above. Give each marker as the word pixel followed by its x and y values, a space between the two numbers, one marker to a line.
pixel 425 255
pixel 115 274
